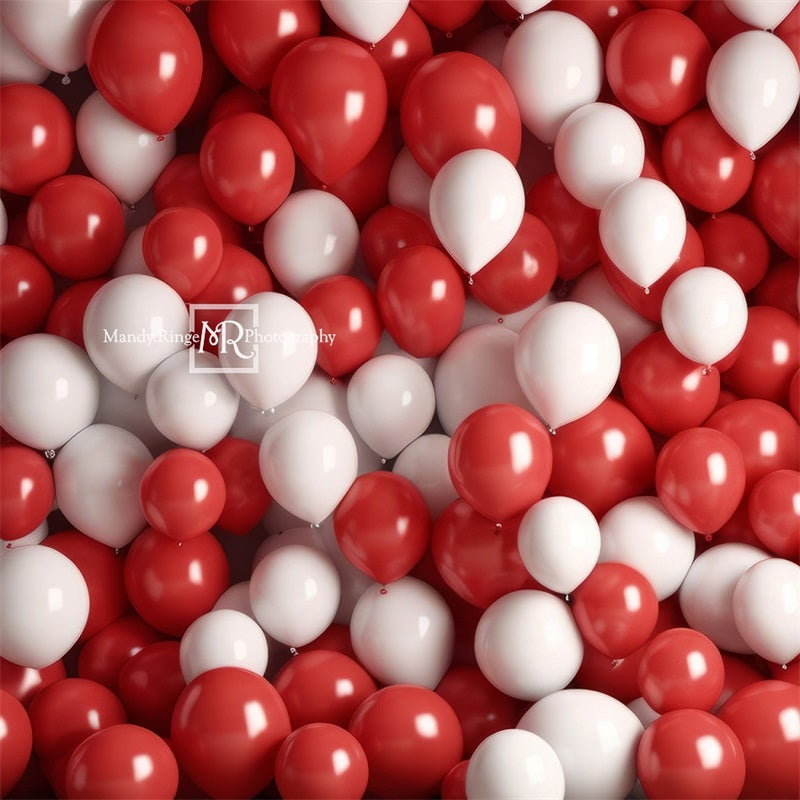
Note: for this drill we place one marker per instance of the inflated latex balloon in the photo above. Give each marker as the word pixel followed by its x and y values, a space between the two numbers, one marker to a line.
pixel 766 14
pixel 367 21
pixel 424 463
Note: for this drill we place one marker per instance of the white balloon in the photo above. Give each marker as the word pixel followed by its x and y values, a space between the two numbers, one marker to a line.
pixel 367 20
pixel 271 349
pixel 554 64
pixel 527 6
pixel 704 314
pixel 223 638
pixel 48 390
pixel 119 153
pixel 308 461
pixel 403 633
pixel 424 463
pixel 409 185
pixel 192 405
pixel 593 289
pixel 598 148
pixel 767 14
pixel 476 313
pixel 559 542
pixel 527 644
pixel 476 370
pixel 391 402
pixel 567 361
pixel 645 714
pixel 131 325
pixel 294 592
pixel 36 536
pixel 130 260
pixel 766 609
pixel 595 738
pixel 476 205
pixel 752 86
pixel 514 764
pixel 388 346
pixel 312 236
pixel 54 32
pixel 642 228
pixel 16 66
pixel 706 595
pixel 640 532
pixel 97 476
pixel 44 605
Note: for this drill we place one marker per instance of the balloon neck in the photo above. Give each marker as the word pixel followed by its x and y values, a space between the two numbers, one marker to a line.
pixel 66 80
pixel 551 430
pixel 293 652
pixel 383 462
pixel 498 526
pixel 647 290
pixel 160 138
pixel 314 525
pixel 752 156
pixel 49 454
pixel 499 320
pixel 706 369
pixel 250 229
pixel 471 281
pixel 615 662
pixel 180 544
pixel 784 666
pixel 384 590
pixel 567 599
pixel 333 380
pixel 708 537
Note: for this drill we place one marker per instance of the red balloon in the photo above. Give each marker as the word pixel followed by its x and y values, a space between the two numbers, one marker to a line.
pixel 412 738
pixel 455 102
pixel 446 16
pixel 246 497
pixel 146 60
pixel 762 717
pixel 335 637
pixel 681 668
pixel 104 655
pixel 739 673
pixel 26 292
pixel 485 465
pixel 214 76
pixel 390 230
pixel 478 560
pixel 247 166
pixel 735 244
pixel 666 390
pixel 779 287
pixel 322 686
pixel 321 761
pixel 602 16
pixel 641 65
pixel 767 435
pixel 672 758
pixel 329 97
pixel 66 314
pixel 215 736
pixel 773 509
pixel 235 101
pixel 522 272
pixel 454 785
pixel 775 192
pixel 25 683
pixel 252 36
pixel 171 584
pixel 65 713
pixel 182 493
pixel 16 741
pixel 183 247
pixel 26 491
pixel 421 299
pixel 572 225
pixel 615 609
pixel 149 685
pixel 37 137
pixel 102 569
pixel 481 708
pixel 717 21
pixel 383 525
pixel 109 764
pixel 769 356
pixel 76 226
pixel 703 165
pixel 344 305
pixel 609 441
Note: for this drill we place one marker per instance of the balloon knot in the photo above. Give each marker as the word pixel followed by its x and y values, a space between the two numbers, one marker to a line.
pixel 383 461
pixel 314 525
pixel 66 80
pixel 551 430
pixel 647 290
pixel 293 651
pixel 384 590
pixel 49 454
pixel 567 599
pixel 752 156
pixel 160 138
pixel 615 662
pixel 706 370
pixel 499 320
pixel 784 666
pixel 471 281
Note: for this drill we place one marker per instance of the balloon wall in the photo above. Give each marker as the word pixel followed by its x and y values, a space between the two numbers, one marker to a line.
pixel 399 399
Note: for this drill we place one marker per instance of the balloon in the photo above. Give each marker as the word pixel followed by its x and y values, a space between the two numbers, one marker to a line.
pixel 26 292
pixel 737 245
pixel 477 203
pixel 602 17
pixel 760 14
pixel 322 761
pixel 16 740
pixel 278 348
pixel 24 683
pixel 598 148
pixel 26 491
pixel 146 60
pixel 594 737
pixel 704 314
pixel 773 508
pixel 35 632
pixel 16 65
pixel 409 185
pixel 512 762
pixel 329 97
pixel 247 166
pixel 533 628
pixel 424 463
pixel 752 86
pixel 554 65
pixel 500 460
pixel 653 210
pixel 567 333
pixel 670 757
pixel 65 317
pixel 369 22
pixel 411 738
pixel 706 595
pixel 766 608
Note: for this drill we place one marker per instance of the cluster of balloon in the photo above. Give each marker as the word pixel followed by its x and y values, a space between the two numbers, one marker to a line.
pixel 399 399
